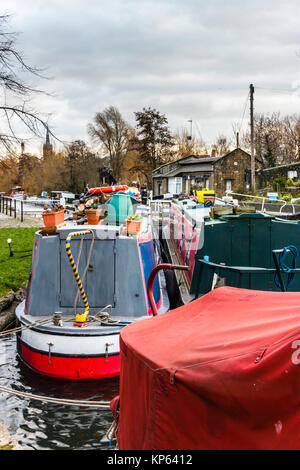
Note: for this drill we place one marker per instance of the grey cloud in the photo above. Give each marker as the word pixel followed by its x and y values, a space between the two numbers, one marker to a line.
pixel 192 59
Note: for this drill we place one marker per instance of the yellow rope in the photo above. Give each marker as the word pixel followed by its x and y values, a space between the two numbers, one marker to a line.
pixel 80 318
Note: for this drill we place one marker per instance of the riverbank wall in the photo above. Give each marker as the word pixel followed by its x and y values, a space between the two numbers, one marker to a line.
pixel 8 305
pixel 6 441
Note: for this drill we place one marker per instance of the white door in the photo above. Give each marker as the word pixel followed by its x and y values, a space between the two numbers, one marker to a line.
pixel 228 185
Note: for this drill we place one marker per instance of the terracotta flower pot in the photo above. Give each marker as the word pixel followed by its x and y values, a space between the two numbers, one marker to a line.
pixel 133 226
pixel 93 216
pixel 53 218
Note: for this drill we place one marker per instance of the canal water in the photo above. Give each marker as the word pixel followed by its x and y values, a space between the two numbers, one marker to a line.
pixel 45 426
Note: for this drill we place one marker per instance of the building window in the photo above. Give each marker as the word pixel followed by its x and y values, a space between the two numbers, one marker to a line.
pixel 228 185
pixel 175 185
pixel 292 174
pixel 159 188
pixel 178 185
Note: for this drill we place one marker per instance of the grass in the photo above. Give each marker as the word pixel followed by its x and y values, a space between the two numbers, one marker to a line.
pixel 7 447
pixel 14 271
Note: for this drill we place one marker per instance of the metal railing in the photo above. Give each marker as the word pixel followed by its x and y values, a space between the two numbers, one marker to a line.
pixel 208 269
pixel 264 200
pixel 8 206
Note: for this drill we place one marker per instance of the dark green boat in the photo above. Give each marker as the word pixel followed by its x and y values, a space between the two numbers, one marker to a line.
pixel 233 250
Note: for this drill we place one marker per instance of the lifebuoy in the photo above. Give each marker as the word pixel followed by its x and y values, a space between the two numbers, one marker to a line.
pixel 108 189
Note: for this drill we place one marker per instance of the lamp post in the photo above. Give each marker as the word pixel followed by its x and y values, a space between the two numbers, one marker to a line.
pixel 9 246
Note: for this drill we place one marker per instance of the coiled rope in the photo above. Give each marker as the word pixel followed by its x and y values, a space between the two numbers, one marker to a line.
pixel 287 269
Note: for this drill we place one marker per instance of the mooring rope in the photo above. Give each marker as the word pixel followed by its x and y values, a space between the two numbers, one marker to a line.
pixel 24 327
pixel 57 401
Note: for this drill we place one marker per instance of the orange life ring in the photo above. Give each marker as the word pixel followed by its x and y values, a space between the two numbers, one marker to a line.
pixel 108 189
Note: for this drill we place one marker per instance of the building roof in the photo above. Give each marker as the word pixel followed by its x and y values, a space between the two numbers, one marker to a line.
pixel 199 160
pixel 203 160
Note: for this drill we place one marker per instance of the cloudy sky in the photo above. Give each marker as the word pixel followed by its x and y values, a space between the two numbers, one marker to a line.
pixel 189 59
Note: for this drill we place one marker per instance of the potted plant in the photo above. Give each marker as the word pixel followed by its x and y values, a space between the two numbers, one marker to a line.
pixel 93 214
pixel 133 224
pixel 53 217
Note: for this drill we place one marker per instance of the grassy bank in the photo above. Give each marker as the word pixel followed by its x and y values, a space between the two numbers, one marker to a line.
pixel 14 270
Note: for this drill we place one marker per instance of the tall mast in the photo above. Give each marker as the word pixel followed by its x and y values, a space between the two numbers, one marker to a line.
pixel 252 138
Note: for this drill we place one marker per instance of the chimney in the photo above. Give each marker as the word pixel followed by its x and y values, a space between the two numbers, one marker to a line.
pixel 22 147
pixel 213 152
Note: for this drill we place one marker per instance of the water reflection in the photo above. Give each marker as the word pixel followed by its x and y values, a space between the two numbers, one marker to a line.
pixel 45 426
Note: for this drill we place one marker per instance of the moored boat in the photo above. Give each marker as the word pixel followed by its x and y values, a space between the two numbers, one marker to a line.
pixel 227 378
pixel 86 283
pixel 235 247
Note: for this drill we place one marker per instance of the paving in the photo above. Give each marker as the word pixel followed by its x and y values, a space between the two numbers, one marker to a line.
pixel 6 221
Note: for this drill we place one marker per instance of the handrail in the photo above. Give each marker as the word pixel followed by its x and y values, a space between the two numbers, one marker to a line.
pixel 215 267
pixel 263 198
pixel 245 269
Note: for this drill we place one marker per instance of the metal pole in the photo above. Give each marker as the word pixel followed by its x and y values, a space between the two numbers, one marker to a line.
pixel 283 289
pixel 15 209
pixel 22 212
pixel 252 138
pixel 10 208
pixel 189 137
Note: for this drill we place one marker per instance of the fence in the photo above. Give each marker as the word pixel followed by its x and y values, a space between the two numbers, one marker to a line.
pixel 8 206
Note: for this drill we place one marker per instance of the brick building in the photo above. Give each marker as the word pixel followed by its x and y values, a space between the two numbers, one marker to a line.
pixel 221 173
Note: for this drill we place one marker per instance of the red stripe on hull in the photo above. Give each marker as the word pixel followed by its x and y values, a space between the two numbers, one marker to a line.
pixel 72 367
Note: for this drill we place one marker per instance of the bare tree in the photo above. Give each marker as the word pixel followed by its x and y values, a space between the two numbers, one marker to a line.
pixel 185 146
pixel 222 145
pixel 291 128
pixel 14 92
pixel 112 132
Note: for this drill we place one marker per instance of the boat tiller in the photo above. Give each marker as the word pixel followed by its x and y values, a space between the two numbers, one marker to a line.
pixel 152 277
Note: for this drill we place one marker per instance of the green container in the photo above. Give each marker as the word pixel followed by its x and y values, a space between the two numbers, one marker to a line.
pixel 245 240
pixel 120 207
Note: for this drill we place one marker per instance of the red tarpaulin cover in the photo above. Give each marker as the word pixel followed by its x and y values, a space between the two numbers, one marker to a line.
pixel 222 372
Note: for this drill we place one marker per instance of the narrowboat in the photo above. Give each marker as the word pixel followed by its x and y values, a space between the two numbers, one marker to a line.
pixel 87 281
pixel 227 378
pixel 235 249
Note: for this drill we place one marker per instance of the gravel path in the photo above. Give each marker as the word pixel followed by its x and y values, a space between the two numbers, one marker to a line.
pixel 6 221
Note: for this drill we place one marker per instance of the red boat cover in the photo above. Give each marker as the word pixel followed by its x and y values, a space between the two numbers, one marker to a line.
pixel 222 372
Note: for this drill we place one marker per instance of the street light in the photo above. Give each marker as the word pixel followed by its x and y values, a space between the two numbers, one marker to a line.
pixel 9 246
